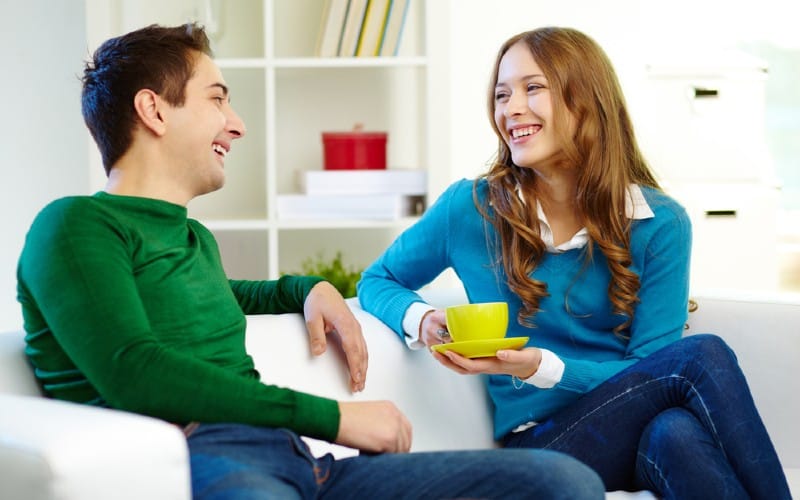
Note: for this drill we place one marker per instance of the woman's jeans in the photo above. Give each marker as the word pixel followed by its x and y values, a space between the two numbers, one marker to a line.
pixel 681 423
pixel 234 461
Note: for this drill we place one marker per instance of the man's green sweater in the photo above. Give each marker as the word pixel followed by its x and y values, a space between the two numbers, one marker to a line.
pixel 125 304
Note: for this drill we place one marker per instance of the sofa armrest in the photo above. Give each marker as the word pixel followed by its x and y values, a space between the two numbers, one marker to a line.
pixel 56 450
pixel 447 411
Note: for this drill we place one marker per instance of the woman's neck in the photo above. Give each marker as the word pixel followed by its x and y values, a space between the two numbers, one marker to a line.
pixel 556 195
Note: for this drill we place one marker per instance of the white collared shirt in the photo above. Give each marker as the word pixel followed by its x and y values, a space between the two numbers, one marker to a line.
pixel 551 368
pixel 636 207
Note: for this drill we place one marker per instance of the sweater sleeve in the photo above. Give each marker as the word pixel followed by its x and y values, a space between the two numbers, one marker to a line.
pixel 414 259
pixel 80 298
pixel 284 295
pixel 662 311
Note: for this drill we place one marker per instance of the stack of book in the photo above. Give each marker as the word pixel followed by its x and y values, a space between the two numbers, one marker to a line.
pixel 356 194
pixel 361 28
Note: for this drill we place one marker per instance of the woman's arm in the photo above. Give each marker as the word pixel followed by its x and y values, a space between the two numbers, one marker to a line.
pixel 387 287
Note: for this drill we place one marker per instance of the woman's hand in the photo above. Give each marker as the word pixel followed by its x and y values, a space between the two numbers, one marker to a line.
pixel 433 329
pixel 326 312
pixel 522 363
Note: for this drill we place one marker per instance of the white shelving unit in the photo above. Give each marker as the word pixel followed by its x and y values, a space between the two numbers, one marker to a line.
pixel 287 97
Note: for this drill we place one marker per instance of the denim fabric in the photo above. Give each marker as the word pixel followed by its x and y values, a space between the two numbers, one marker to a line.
pixel 680 423
pixel 234 461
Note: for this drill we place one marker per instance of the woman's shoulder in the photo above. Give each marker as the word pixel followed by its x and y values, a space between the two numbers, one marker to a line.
pixel 662 204
pixel 464 185
pixel 463 190
pixel 670 220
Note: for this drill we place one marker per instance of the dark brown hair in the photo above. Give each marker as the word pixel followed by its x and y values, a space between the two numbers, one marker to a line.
pixel 158 58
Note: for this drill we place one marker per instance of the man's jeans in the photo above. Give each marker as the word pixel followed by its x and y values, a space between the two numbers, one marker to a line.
pixel 233 461
pixel 681 423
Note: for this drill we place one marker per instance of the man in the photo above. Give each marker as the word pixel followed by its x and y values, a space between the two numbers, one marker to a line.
pixel 126 305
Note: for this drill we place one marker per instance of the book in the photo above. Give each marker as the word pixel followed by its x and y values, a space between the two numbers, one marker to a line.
pixel 330 33
pixel 352 27
pixel 389 181
pixel 372 28
pixel 392 33
pixel 348 206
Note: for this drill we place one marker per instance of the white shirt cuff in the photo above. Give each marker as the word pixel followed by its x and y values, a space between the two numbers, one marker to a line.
pixel 412 321
pixel 550 371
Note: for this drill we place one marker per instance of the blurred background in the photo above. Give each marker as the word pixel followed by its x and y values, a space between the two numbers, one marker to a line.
pixel 711 86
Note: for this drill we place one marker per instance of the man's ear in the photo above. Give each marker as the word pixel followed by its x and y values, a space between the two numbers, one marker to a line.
pixel 147 105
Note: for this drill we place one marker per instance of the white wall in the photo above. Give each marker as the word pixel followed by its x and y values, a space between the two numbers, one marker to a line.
pixel 632 32
pixel 635 34
pixel 42 135
pixel 42 44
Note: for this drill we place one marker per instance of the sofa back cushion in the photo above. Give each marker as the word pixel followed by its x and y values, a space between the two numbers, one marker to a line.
pixel 447 410
pixel 16 374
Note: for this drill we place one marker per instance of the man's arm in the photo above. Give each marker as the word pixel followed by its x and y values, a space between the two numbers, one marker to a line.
pixel 79 287
pixel 284 295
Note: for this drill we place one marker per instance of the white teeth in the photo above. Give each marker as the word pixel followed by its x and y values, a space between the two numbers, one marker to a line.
pixel 219 149
pixel 520 132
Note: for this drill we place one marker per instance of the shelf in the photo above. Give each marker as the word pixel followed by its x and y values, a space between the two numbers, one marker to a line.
pixel 287 98
pixel 237 224
pixel 329 62
pixel 302 224
pixel 241 63
pixel 345 223
pixel 349 62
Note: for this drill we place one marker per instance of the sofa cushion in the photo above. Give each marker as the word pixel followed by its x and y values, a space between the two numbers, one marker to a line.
pixel 16 374
pixel 57 450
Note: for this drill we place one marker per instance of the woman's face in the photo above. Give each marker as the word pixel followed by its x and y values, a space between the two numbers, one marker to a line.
pixel 523 110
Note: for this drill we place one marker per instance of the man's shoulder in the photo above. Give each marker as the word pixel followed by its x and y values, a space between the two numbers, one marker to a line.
pixel 66 208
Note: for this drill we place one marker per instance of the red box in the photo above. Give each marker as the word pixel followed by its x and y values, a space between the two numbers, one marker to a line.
pixel 354 150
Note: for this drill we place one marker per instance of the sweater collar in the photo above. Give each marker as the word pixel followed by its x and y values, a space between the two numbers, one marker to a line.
pixel 636 208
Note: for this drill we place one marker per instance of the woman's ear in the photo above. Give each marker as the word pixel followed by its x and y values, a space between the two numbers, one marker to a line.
pixel 147 105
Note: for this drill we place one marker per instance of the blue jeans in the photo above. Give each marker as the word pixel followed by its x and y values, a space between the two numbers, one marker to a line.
pixel 234 461
pixel 680 423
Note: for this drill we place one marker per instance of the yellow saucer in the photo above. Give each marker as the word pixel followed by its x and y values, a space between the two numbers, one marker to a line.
pixel 481 348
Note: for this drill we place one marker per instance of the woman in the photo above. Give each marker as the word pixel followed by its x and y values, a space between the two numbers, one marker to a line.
pixel 569 227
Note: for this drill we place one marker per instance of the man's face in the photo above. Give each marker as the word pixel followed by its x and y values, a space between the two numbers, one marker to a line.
pixel 200 132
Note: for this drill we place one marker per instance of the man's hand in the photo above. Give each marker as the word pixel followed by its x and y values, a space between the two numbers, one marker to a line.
pixel 325 312
pixel 373 426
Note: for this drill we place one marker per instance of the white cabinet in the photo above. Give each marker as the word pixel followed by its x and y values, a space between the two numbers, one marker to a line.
pixel 287 97
pixel 705 119
pixel 734 242
pixel 705 136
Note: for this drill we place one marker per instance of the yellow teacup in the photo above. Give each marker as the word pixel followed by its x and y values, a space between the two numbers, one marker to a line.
pixel 481 321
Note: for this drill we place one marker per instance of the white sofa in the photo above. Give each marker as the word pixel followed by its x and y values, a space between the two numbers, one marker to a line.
pixel 56 450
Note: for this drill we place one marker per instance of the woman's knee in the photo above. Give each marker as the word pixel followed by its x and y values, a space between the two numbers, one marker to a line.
pixel 708 347
pixel 676 429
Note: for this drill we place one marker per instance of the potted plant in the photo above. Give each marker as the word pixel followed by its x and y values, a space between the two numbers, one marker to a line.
pixel 343 278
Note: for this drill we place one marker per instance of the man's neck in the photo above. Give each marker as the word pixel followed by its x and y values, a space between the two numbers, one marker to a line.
pixel 137 175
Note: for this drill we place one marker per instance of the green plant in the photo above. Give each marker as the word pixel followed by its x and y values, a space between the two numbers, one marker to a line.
pixel 344 278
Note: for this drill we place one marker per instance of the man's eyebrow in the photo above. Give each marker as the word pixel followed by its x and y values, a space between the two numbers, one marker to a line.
pixel 220 86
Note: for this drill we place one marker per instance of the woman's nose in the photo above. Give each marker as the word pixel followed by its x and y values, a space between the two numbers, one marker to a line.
pixel 516 105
